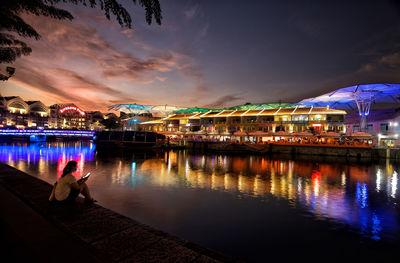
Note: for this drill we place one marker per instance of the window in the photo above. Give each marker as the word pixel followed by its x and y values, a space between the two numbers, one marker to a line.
pixel 300 118
pixel 356 128
pixel 370 127
pixel 384 126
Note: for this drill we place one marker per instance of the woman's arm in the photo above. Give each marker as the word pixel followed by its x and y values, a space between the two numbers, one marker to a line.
pixel 76 186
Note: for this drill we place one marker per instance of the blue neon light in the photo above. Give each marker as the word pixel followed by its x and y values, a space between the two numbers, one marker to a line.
pixel 46 152
pixel 345 97
pixel 47 132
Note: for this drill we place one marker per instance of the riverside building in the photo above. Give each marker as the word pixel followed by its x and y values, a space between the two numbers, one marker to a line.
pixel 67 116
pixel 383 124
pixel 231 122
pixel 17 113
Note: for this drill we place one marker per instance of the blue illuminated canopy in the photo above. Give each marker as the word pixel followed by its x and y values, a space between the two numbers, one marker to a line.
pixel 349 97
pixel 130 107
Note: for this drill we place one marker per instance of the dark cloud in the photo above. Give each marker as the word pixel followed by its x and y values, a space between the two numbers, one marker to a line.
pixel 74 57
pixel 82 41
pixel 389 64
pixel 270 51
pixel 124 101
pixel 36 79
pixel 223 101
pixel 86 83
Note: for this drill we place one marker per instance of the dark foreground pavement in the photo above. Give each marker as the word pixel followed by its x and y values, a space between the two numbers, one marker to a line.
pixel 32 230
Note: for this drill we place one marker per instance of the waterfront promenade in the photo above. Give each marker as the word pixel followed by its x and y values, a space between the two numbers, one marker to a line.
pixel 36 231
pixel 297 150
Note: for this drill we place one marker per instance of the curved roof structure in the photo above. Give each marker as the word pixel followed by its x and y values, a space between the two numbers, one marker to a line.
pixel 192 110
pixel 262 106
pixel 137 108
pixel 350 97
pixel 247 106
pixel 258 112
pixel 130 107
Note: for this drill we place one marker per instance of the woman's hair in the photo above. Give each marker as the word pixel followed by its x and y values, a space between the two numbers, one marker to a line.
pixel 68 168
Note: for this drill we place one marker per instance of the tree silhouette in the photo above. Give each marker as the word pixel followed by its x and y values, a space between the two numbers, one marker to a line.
pixel 110 124
pixel 11 22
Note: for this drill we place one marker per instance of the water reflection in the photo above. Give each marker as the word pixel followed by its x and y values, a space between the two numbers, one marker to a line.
pixel 336 192
pixel 26 156
pixel 351 195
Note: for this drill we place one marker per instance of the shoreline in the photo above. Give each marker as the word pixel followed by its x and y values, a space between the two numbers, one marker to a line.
pixel 375 154
pixel 272 150
pixel 101 234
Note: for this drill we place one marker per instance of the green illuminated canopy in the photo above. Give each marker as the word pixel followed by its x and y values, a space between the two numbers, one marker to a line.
pixel 192 110
pixel 262 106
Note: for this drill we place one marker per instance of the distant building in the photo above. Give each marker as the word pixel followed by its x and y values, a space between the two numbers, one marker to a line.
pixel 38 114
pixel 17 113
pixel 67 116
pixel 94 119
pixel 384 124
pixel 111 116
pixel 131 121
pixel 227 122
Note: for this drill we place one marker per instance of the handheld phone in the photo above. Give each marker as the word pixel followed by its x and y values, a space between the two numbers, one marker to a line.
pixel 86 176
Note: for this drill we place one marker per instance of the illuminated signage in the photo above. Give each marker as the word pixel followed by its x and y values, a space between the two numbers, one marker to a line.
pixel 73 108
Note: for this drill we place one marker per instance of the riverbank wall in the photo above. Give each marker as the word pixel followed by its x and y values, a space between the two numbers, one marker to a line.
pixel 40 231
pixel 296 150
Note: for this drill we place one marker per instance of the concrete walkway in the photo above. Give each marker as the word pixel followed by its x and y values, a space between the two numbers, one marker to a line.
pixel 35 231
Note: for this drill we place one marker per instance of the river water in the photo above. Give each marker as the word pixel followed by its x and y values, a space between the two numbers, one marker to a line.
pixel 253 208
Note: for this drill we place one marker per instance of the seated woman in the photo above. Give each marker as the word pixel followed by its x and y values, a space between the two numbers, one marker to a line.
pixel 68 189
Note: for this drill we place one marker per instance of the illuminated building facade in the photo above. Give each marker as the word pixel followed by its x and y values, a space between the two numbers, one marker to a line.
pixel 227 122
pixel 383 124
pixel 94 119
pixel 359 98
pixel 67 116
pixel 17 113
pixel 131 121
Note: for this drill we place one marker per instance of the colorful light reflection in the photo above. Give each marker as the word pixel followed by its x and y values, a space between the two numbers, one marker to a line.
pixel 46 154
pixel 339 193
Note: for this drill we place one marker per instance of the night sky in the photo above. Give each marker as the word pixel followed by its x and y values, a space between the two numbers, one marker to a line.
pixel 210 53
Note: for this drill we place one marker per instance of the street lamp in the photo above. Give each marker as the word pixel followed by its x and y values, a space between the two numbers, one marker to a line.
pixel 10 72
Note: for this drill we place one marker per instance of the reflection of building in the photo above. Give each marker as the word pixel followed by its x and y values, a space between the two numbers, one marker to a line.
pixel 15 112
pixel 298 119
pixel 344 193
pixel 41 159
pixel 67 116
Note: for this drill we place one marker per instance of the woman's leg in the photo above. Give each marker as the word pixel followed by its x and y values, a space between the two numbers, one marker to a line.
pixel 85 191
